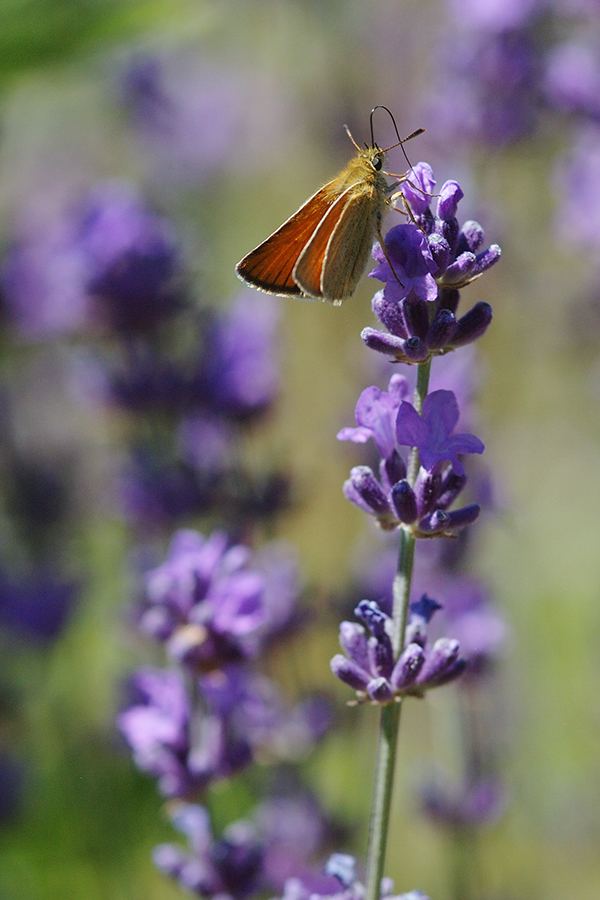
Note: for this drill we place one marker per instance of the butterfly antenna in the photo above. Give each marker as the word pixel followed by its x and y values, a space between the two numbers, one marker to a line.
pixel 394 123
pixel 349 133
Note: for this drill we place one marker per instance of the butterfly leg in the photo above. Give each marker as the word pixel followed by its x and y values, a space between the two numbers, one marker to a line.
pixel 407 211
pixel 385 253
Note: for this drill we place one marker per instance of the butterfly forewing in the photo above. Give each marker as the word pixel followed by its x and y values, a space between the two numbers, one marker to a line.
pixel 270 266
pixel 350 246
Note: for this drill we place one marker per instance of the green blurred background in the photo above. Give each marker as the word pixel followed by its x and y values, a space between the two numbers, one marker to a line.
pixel 88 820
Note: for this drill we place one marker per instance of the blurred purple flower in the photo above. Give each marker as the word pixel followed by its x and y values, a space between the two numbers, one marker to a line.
pixel 493 15
pixel 156 727
pixel 488 84
pixel 211 603
pixel 293 831
pixel 241 716
pixel 472 805
pixel 132 257
pixel 432 432
pixel 152 491
pixel 572 80
pixel 187 113
pixel 110 258
pixel 252 855
pixel 578 176
pixel 230 867
pixel 43 281
pixel 240 375
pixel 341 867
pixel 37 606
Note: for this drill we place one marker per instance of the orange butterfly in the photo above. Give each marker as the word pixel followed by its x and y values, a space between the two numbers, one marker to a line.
pixel 322 250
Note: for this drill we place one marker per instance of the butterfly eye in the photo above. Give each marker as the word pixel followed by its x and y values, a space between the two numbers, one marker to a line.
pixel 377 163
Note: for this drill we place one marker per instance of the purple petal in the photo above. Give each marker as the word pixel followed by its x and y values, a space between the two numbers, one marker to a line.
pixel 450 195
pixel 411 430
pixel 418 185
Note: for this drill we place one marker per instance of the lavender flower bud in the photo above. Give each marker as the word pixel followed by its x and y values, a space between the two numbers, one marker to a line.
pixel 473 324
pixel 486 259
pixel 460 518
pixel 349 672
pixel 415 350
pixel 427 490
pixel 363 483
pixel 383 343
pixel 435 522
pixel 416 316
pixel 408 666
pixel 442 330
pixel 449 488
pixel 381 655
pixel 373 616
pixel 440 250
pixel 459 273
pixel 452 673
pixel 379 689
pixel 390 314
pixel 438 660
pixel 405 502
pixel 392 469
pixel 353 641
pixel 470 237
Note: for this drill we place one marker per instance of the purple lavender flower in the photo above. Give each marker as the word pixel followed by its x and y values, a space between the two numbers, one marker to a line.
pixel 43 280
pixel 431 259
pixel 252 855
pixel 390 498
pixel 186 746
pixel 369 665
pixel 156 727
pixel 209 605
pixel 376 413
pixel 341 867
pixel 292 829
pixel 230 867
pixel 432 432
pixel 493 15
pixel 412 262
pixel 488 83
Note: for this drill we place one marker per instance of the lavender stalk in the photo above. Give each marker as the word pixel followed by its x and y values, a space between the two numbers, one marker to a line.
pixel 432 258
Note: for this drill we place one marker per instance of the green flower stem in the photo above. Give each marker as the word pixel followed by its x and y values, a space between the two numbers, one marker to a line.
pixel 390 714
